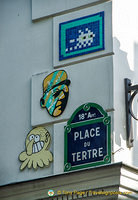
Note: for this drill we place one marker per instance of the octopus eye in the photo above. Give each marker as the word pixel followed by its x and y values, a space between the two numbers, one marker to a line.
pixel 37 138
pixel 31 137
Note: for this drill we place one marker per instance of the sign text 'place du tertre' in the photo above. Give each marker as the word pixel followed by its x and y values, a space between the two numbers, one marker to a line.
pixel 87 138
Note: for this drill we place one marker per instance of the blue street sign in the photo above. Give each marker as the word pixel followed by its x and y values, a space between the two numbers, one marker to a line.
pixel 87 138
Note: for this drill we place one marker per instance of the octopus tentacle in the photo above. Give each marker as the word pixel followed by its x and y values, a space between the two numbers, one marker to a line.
pixel 23 156
pixel 24 164
pixel 30 163
pixel 45 160
pixel 40 163
pixel 34 164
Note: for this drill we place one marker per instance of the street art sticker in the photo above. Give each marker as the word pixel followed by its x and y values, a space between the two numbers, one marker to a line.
pixel 81 36
pixel 55 93
pixel 36 153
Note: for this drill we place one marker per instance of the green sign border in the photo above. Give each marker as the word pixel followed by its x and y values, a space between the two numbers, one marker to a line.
pixel 105 119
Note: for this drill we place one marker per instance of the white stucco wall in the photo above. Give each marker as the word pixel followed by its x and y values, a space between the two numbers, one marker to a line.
pixel 40 8
pixel 125 45
pixel 26 48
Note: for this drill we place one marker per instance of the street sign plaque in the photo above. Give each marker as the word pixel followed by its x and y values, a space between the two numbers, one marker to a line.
pixel 87 138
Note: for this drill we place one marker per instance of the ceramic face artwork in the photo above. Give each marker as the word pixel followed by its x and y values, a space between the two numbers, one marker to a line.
pixel 55 93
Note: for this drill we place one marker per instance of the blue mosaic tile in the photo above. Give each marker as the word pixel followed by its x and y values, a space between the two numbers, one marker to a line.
pixel 81 36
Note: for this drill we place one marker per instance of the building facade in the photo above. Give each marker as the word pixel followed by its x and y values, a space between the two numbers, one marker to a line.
pixel 57 56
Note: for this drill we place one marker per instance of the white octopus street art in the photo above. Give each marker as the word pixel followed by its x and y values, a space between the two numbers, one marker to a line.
pixel 36 153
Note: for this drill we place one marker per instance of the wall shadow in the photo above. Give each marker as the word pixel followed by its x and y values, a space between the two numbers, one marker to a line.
pixel 121 71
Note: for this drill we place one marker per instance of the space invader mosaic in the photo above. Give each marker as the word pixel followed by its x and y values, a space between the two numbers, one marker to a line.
pixel 81 36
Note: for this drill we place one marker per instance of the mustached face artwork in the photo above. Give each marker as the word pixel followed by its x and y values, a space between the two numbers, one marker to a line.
pixel 55 93
pixel 36 153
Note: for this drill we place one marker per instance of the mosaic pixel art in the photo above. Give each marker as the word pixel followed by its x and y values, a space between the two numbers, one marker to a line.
pixel 36 153
pixel 55 93
pixel 81 36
